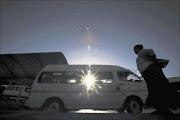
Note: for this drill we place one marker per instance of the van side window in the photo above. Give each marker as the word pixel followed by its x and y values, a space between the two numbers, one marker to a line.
pixel 104 77
pixel 59 77
pixel 128 76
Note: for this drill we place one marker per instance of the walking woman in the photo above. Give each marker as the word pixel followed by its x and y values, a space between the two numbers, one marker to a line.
pixel 157 83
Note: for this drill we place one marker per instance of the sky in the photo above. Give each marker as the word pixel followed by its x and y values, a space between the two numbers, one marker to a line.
pixel 93 32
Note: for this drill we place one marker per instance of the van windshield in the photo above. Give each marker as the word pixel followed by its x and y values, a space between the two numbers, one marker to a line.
pixel 128 76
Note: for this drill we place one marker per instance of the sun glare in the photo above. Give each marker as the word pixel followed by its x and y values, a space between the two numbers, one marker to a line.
pixel 89 80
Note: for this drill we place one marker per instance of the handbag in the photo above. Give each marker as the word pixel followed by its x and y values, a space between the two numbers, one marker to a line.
pixel 162 62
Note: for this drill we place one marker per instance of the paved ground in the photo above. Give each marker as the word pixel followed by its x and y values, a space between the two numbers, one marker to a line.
pixel 12 113
pixel 29 115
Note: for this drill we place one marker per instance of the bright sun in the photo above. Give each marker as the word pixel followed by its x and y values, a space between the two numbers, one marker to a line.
pixel 89 81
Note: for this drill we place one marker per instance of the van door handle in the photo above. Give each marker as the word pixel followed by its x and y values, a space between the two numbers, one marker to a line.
pixel 121 84
pixel 117 88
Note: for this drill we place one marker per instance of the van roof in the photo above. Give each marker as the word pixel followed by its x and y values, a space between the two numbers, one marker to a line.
pixel 84 67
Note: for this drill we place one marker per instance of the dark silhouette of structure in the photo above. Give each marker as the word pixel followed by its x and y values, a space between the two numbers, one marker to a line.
pixel 27 65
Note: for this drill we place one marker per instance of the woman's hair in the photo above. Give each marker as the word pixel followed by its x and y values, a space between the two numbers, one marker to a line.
pixel 139 46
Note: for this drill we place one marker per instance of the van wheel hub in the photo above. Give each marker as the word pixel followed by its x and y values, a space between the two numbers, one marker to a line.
pixel 54 106
pixel 134 106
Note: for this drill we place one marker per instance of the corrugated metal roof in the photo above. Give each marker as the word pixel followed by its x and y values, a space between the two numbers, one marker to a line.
pixel 27 65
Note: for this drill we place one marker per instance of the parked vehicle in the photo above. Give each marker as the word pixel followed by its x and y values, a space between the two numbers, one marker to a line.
pixel 16 93
pixel 75 87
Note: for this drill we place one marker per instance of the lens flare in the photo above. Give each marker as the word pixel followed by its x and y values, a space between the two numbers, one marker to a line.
pixel 89 80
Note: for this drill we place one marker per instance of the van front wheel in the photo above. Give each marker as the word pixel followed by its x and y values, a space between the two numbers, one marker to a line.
pixel 52 105
pixel 134 106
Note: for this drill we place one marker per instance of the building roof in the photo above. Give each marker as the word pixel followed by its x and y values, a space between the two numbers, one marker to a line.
pixel 28 65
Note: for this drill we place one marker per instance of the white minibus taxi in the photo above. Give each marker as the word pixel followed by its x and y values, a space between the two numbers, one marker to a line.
pixel 98 87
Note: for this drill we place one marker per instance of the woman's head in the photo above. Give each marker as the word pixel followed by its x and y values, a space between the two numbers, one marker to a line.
pixel 137 48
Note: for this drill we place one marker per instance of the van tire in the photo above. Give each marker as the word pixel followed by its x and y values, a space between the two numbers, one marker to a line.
pixel 134 105
pixel 53 104
pixel 122 109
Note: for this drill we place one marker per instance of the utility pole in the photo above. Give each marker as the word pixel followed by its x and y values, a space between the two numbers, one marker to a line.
pixel 0 38
pixel 0 43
